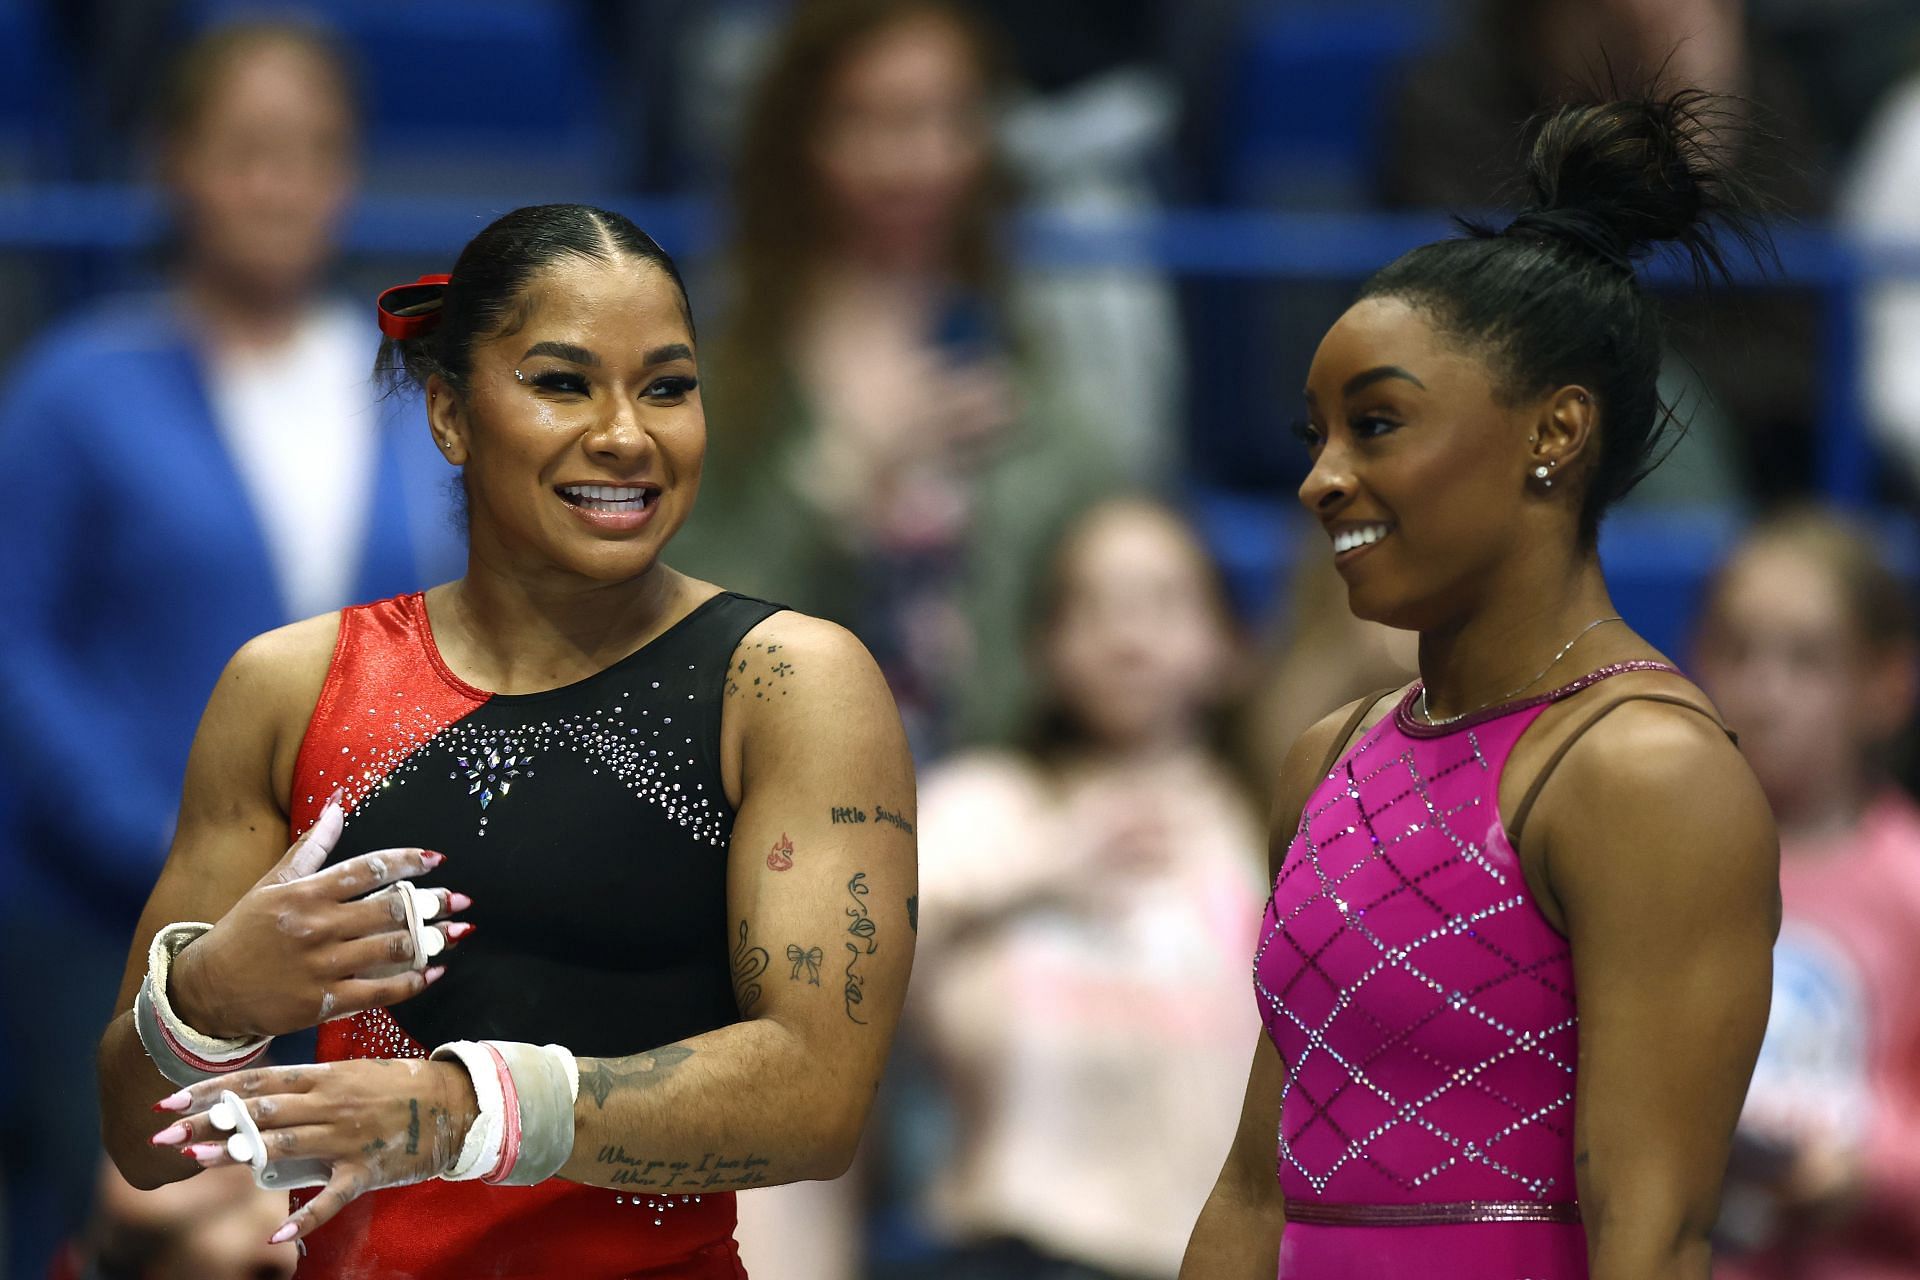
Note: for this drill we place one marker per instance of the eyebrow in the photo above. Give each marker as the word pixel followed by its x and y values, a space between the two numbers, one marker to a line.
pixel 580 355
pixel 562 351
pixel 1367 377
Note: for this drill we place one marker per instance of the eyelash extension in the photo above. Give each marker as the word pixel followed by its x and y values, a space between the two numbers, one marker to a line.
pixel 557 381
pixel 678 386
pixel 1303 431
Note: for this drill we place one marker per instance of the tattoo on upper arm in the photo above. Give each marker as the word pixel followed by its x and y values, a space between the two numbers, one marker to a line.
pixel 865 943
pixel 853 815
pixel 600 1078
pixel 780 857
pixel 749 962
pixel 807 958
pixel 758 671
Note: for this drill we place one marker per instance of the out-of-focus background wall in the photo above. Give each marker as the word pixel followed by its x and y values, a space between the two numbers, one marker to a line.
pixel 1005 308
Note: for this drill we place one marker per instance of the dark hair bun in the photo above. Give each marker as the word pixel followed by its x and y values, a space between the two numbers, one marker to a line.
pixel 1552 298
pixel 1623 177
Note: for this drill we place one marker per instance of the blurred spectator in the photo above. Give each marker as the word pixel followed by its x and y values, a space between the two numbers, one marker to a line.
pixel 1881 199
pixel 1092 123
pixel 885 449
pixel 183 471
pixel 213 1226
pixel 1090 901
pixel 1807 645
pixel 1454 143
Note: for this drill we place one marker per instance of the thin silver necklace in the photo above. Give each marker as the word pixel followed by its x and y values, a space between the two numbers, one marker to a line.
pixel 1565 649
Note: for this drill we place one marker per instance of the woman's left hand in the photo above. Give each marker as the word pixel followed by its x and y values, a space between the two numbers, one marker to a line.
pixel 375 1122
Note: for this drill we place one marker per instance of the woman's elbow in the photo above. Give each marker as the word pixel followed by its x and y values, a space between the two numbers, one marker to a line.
pixel 1647 1243
pixel 836 1141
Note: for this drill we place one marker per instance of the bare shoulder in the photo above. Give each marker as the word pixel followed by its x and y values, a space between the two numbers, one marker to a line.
pixel 803 694
pixel 1654 801
pixel 280 672
pixel 255 718
pixel 798 659
pixel 273 682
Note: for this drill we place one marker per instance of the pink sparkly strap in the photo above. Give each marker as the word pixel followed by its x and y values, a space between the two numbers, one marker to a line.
pixel 1559 753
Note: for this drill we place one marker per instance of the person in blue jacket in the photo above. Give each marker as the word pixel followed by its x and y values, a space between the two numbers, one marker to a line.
pixel 178 472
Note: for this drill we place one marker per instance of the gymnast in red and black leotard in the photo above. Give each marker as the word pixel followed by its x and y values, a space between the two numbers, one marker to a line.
pixel 661 949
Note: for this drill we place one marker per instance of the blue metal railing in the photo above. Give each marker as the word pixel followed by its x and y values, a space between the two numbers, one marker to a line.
pixel 1270 246
pixel 1666 553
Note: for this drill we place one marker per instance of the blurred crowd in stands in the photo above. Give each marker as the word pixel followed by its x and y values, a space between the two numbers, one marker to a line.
pixel 1007 477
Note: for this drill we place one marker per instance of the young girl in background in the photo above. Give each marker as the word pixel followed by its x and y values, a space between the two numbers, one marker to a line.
pixel 1090 902
pixel 1807 644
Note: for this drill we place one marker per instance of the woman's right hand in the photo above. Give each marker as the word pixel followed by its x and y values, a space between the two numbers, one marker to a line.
pixel 289 953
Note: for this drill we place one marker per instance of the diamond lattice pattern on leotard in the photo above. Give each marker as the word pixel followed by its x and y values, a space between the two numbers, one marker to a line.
pixel 1423 1006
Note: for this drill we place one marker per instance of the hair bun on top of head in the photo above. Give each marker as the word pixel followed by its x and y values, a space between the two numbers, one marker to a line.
pixel 409 310
pixel 1617 178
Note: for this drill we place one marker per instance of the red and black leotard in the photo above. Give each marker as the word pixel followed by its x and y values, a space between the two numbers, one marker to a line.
pixel 590 826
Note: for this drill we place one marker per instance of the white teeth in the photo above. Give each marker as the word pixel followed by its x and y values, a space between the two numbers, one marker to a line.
pixel 606 497
pixel 1348 539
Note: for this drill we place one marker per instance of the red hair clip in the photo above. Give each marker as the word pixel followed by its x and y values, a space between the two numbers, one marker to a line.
pixel 409 310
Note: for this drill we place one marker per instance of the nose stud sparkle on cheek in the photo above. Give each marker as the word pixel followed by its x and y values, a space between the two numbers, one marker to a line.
pixel 519 376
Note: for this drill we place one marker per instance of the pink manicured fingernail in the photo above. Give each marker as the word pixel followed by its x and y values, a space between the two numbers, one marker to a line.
pixel 434 973
pixel 174 1102
pixel 171 1134
pixel 338 799
pixel 458 902
pixel 431 858
pixel 204 1150
pixel 284 1234
pixel 459 929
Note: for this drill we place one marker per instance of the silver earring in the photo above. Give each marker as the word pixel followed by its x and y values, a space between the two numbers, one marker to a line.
pixel 1543 475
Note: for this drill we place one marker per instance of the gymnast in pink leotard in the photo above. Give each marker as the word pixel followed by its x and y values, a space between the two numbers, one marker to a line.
pixel 1515 966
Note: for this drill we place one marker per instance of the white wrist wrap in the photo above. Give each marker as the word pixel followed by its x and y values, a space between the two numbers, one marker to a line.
pixel 181 1054
pixel 421 905
pixel 524 1131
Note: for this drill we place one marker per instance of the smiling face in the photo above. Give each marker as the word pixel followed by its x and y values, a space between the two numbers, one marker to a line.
pixel 580 428
pixel 1140 642
pixel 1420 470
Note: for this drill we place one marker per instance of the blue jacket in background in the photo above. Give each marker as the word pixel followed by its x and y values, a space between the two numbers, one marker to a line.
pixel 131 567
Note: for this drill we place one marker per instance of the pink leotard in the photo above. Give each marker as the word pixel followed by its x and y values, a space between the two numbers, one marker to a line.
pixel 1425 1011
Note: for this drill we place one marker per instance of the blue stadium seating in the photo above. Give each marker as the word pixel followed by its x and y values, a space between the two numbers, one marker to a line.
pixel 493 96
pixel 1307 98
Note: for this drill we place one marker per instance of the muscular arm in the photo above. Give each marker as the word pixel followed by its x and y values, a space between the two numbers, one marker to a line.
pixel 1237 1236
pixel 820 926
pixel 232 828
pixel 1661 851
